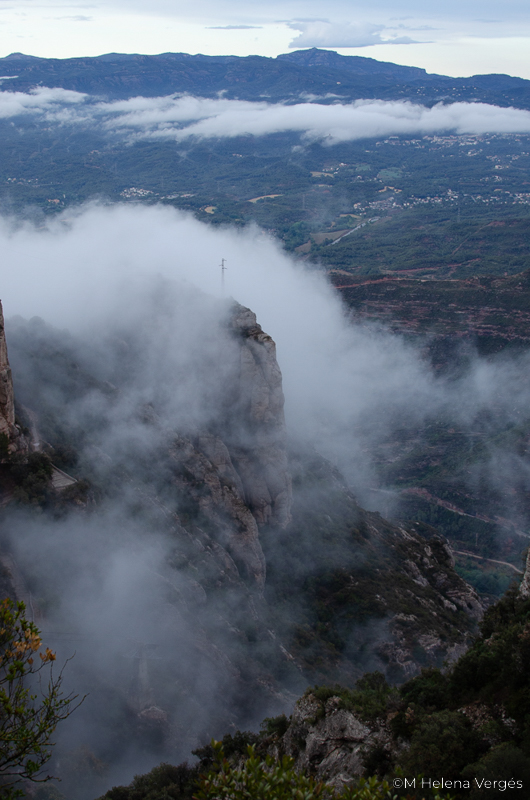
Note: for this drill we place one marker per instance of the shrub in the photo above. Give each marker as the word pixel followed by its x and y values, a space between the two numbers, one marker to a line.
pixel 268 779
pixel 27 720
pixel 164 782
pixel 275 726
pixel 442 744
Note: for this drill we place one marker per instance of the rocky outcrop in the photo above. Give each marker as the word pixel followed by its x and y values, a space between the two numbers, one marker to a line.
pixel 335 740
pixel 524 588
pixel 367 593
pixel 7 397
pixel 237 476
pixel 271 593
pixel 257 438
pixel 420 636
pixel 203 470
pixel 329 741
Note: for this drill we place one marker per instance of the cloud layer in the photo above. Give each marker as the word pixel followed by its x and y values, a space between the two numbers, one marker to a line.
pixel 180 117
pixel 84 266
pixel 41 100
pixel 320 33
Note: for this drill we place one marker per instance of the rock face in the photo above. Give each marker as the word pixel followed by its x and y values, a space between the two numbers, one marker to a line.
pixel 204 471
pixel 239 477
pixel 524 588
pixel 7 397
pixel 266 592
pixel 334 741
pixel 329 741
pixel 259 448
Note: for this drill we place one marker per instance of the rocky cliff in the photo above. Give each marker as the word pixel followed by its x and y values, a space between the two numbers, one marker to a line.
pixel 469 720
pixel 524 588
pixel 7 397
pixel 239 476
pixel 263 588
pixel 259 444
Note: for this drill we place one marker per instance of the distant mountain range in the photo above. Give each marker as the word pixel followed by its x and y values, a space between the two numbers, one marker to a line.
pixel 323 73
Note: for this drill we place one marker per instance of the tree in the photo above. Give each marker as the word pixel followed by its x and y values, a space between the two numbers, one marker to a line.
pixel 270 779
pixel 258 779
pixel 31 700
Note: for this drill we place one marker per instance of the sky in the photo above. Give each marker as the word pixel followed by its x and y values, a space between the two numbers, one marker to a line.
pixel 454 38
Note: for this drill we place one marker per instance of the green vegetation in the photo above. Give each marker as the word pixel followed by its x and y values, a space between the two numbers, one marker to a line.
pixel 164 782
pixel 275 726
pixel 491 681
pixel 454 206
pixel 435 243
pixel 30 709
pixel 31 475
pixel 369 700
pixel 267 779
pixel 470 723
pixel 490 582
pixel 256 777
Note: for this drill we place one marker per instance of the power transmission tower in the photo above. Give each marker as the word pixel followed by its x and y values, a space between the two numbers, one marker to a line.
pixel 223 269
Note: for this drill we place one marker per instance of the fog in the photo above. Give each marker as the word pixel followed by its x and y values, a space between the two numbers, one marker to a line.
pixel 41 100
pixel 184 117
pixel 179 117
pixel 135 300
pixel 97 264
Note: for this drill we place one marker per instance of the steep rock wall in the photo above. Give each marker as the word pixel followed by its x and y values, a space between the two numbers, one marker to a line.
pixel 345 588
pixel 524 588
pixel 7 397
pixel 258 450
pixel 238 475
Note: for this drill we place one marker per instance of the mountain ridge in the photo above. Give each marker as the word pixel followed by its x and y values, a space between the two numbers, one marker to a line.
pixel 314 71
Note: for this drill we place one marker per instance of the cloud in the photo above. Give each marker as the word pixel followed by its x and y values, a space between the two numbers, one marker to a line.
pixel 39 100
pixel 335 375
pixel 180 117
pixel 320 33
pixel 77 18
pixel 234 27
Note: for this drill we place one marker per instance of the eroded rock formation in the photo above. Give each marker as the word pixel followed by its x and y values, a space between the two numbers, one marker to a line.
pixel 258 441
pixel 329 741
pixel 238 476
pixel 205 472
pixel 7 397
pixel 524 588
pixel 345 588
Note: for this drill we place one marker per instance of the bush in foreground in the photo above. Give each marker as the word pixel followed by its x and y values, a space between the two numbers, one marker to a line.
pixel 269 779
pixel 28 715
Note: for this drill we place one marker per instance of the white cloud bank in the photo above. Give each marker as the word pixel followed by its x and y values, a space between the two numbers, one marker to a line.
pixel 319 33
pixel 41 100
pixel 181 117
pixel 344 384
